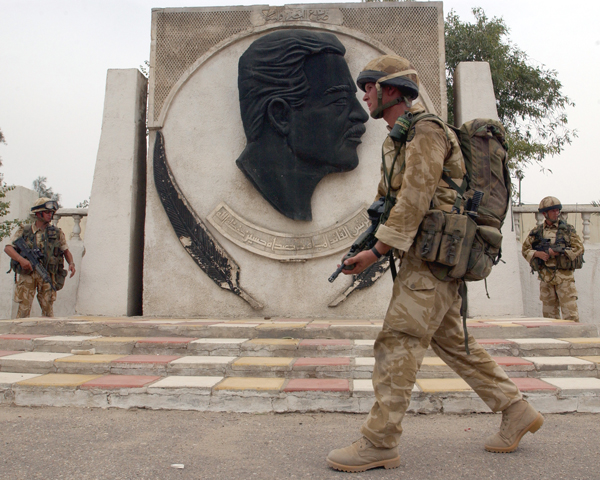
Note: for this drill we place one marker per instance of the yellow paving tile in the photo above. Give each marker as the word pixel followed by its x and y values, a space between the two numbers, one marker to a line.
pixel 58 380
pixel 250 383
pixel 432 385
pixel 581 340
pixel 591 358
pixel 263 361
pixel 118 339
pixel 274 341
pixel 506 325
pixel 90 358
pixel 434 361
pixel 282 325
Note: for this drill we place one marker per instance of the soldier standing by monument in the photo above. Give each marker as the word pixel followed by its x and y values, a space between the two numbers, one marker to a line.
pixel 554 251
pixel 423 310
pixel 51 242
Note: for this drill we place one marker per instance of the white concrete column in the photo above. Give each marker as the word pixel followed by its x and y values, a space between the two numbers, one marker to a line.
pixel 473 92
pixel 474 98
pixel 111 270
pixel 21 200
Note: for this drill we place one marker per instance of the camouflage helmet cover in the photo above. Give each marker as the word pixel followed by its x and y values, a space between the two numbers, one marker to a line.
pixel 44 204
pixel 549 203
pixel 393 71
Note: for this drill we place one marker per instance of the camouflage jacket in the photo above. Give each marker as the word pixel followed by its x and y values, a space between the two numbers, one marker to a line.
pixel 573 250
pixel 417 179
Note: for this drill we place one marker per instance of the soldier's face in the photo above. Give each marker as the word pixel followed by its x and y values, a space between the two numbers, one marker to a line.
pixel 552 215
pixel 327 129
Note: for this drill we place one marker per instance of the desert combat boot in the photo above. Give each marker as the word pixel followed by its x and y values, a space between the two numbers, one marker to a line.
pixel 363 455
pixel 517 420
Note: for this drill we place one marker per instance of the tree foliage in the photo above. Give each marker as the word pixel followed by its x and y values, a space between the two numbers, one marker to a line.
pixel 39 185
pixel 6 225
pixel 528 96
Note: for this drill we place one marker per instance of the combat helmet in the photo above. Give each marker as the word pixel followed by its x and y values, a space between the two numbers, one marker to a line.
pixel 392 71
pixel 44 204
pixel 549 203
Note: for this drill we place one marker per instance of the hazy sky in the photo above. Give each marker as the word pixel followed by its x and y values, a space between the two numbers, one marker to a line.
pixel 55 54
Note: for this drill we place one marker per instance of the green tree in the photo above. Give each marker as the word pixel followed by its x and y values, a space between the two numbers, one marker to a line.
pixel 6 225
pixel 39 185
pixel 528 96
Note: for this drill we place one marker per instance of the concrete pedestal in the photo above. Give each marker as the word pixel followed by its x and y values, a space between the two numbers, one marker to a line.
pixel 111 271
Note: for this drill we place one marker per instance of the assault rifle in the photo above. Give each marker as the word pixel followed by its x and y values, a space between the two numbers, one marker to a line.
pixel 366 240
pixel 35 257
pixel 545 244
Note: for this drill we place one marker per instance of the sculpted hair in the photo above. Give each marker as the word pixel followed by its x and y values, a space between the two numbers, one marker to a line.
pixel 273 67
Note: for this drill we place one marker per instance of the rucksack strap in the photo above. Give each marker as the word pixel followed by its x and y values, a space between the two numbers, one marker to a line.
pixel 462 291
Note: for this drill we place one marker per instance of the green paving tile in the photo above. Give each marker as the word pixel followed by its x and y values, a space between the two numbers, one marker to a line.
pixel 250 383
pixel 58 380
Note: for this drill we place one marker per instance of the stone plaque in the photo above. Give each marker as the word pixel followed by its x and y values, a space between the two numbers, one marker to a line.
pixel 287 246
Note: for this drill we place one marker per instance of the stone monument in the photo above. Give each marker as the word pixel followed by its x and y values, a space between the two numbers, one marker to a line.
pixel 262 162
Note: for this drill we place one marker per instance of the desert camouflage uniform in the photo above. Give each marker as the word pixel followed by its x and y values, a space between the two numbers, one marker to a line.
pixel 423 310
pixel 557 287
pixel 28 284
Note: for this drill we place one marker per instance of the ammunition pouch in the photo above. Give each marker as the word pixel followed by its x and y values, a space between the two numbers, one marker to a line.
pixel 429 237
pixel 456 247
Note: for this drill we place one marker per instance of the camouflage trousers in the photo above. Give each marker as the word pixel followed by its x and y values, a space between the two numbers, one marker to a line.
pixel 559 298
pixel 25 290
pixel 426 311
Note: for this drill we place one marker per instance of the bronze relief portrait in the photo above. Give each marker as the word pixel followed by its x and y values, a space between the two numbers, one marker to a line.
pixel 300 114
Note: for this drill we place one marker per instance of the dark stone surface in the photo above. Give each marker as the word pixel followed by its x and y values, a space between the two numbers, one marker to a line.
pixel 301 116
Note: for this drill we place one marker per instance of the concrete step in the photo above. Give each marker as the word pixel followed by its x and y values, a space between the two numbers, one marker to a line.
pixel 275 347
pixel 279 328
pixel 272 367
pixel 262 394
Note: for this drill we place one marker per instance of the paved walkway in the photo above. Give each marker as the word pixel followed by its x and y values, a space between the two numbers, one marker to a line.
pixel 80 444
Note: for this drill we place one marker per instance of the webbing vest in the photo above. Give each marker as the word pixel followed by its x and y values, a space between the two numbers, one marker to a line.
pixel 563 239
pixel 49 246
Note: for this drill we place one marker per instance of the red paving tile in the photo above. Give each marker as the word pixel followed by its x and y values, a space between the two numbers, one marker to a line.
pixel 325 342
pixel 17 336
pixel 316 362
pixel 162 359
pixel 317 384
pixel 493 341
pixel 121 381
pixel 4 353
pixel 167 340
pixel 507 361
pixel 532 384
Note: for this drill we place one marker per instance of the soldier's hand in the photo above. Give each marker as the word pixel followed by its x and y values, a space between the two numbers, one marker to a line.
pixel 553 253
pixel 361 262
pixel 71 269
pixel 25 265
pixel 542 255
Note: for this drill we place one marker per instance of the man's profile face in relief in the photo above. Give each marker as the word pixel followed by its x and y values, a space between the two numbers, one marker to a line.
pixel 300 114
